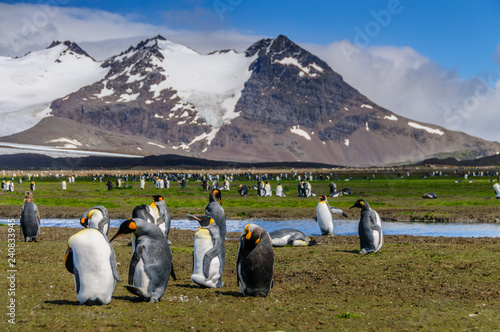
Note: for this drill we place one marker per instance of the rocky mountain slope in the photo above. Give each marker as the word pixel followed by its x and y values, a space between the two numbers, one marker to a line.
pixel 275 102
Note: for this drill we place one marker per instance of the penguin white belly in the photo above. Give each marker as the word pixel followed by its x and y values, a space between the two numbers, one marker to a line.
pixel 141 280
pixel 299 243
pixel 281 241
pixel 163 228
pixel 93 267
pixel 202 244
pixel 324 218
pixel 377 236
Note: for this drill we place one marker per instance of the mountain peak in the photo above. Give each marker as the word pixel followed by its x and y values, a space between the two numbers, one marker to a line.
pixel 71 46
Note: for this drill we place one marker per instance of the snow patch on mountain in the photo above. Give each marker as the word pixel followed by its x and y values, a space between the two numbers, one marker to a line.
pixel 427 129
pixel 212 83
pixel 30 83
pixel 303 70
pixel 297 131
pixel 205 136
pixel 392 118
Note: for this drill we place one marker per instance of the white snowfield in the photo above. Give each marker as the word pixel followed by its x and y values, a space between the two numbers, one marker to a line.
pixel 30 83
pixel 427 129
pixel 212 83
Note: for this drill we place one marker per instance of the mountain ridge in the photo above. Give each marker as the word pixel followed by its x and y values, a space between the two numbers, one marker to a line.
pixel 274 102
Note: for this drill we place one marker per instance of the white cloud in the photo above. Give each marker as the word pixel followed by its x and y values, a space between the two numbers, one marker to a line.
pixel 409 84
pixel 26 27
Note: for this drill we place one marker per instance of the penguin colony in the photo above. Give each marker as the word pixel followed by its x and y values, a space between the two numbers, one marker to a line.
pixel 91 258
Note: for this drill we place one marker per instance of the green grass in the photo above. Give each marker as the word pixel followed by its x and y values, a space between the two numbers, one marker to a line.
pixel 413 283
pixel 394 198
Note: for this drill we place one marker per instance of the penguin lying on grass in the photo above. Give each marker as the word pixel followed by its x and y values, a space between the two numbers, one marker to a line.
pixel 255 262
pixel 369 228
pixel 291 237
pixel 151 263
pixel 91 258
pixel 208 254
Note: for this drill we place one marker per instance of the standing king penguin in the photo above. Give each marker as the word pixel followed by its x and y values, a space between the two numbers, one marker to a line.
pixel 157 213
pixel 208 258
pixel 30 219
pixel 255 262
pixel 96 217
pixel 151 263
pixel 91 258
pixel 214 209
pixel 496 188
pixel 369 228
pixel 165 220
pixel 324 215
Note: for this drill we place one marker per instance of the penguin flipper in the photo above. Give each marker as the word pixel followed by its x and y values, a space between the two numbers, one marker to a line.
pixel 207 259
pixel 68 261
pixel 133 264
pixel 112 261
pixel 77 281
pixel 338 211
pixel 376 227
pixel 134 290
pixel 238 259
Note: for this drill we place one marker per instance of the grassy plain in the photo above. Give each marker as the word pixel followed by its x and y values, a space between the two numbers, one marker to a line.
pixel 413 283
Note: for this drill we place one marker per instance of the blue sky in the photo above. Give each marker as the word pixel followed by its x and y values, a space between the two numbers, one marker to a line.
pixel 428 60
pixel 459 35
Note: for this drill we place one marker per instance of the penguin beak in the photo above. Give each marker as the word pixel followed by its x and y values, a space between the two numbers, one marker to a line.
pixel 193 217
pixel 128 226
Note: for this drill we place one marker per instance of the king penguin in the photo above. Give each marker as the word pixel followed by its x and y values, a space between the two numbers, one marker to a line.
pixel 30 218
pixel 96 217
pixel 369 228
pixel 496 187
pixel 243 190
pixel 165 219
pixel 151 263
pixel 291 237
pixel 214 209
pixel 255 262
pixel 324 215
pixel 91 258
pixel 208 258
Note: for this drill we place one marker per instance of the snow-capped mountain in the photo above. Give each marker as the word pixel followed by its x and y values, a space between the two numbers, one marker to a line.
pixel 274 102
pixel 30 83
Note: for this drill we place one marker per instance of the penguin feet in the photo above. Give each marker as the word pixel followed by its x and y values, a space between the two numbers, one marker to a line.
pixel 365 252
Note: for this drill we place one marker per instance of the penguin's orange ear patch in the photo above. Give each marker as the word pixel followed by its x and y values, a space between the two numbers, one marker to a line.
pixel 362 203
pixel 133 226
pixel 257 241
pixel 249 235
